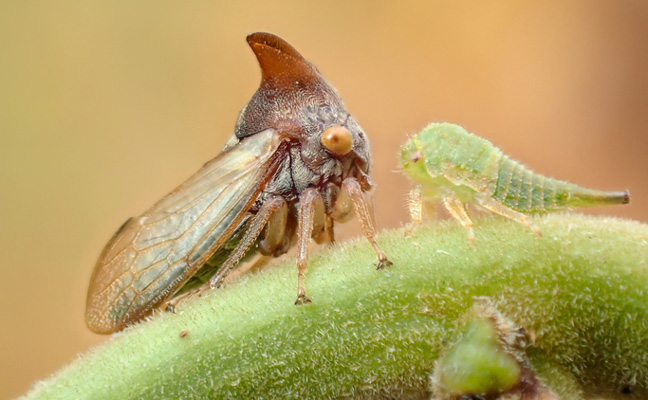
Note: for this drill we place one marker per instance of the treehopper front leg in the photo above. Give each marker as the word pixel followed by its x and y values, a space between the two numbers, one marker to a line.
pixel 351 188
pixel 310 204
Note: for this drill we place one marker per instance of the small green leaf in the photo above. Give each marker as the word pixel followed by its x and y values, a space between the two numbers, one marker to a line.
pixel 478 364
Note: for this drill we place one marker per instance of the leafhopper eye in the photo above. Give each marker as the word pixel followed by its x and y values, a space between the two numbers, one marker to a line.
pixel 337 139
pixel 416 156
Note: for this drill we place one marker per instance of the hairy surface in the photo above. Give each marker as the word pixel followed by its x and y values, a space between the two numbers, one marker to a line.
pixel 579 291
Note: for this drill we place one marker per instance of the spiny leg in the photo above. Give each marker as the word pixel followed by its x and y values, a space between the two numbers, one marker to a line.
pixel 366 216
pixel 457 208
pixel 415 208
pixel 308 201
pixel 492 205
pixel 251 234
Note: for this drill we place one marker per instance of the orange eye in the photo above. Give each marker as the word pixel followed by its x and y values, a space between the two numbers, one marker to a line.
pixel 337 140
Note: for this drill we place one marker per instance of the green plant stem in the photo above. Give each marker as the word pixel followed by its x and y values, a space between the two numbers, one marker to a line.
pixel 580 290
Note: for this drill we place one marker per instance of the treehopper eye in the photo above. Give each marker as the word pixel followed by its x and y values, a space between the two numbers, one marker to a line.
pixel 277 183
pixel 337 140
pixel 455 167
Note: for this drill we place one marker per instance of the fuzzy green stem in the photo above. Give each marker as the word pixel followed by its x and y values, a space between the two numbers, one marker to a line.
pixel 581 290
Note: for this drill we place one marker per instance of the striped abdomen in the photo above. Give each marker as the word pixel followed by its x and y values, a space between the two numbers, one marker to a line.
pixel 523 190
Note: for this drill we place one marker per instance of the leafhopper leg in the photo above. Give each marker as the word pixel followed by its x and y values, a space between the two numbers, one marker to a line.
pixel 415 208
pixel 458 210
pixel 492 205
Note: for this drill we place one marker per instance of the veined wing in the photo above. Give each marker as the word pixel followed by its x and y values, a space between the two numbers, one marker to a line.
pixel 150 256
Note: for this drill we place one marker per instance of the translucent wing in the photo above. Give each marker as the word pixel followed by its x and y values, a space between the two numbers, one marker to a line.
pixel 150 256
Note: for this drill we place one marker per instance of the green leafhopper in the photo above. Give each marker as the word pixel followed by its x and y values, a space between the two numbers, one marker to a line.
pixel 455 167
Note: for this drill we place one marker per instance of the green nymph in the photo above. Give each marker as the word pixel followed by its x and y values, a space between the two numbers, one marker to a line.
pixel 455 167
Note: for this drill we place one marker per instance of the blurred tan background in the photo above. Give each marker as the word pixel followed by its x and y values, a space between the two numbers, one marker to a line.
pixel 106 106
